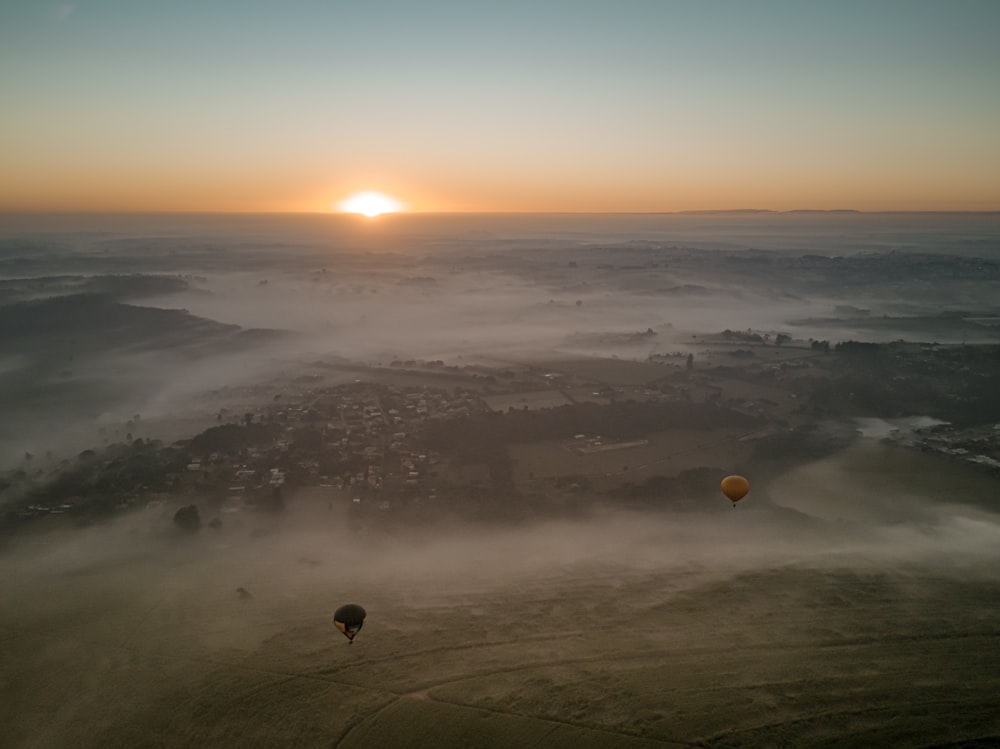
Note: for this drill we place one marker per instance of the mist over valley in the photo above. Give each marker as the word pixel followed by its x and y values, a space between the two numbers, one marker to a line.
pixel 503 435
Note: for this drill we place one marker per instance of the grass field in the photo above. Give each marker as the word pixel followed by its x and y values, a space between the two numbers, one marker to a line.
pixel 755 626
pixel 666 453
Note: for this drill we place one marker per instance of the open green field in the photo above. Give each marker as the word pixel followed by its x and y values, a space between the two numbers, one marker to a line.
pixel 666 453
pixel 536 399
pixel 605 370
pixel 754 626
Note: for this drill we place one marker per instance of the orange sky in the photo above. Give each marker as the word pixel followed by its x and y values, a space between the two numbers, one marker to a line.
pixel 547 106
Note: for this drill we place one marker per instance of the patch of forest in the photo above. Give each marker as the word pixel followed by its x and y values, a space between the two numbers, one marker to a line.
pixel 954 383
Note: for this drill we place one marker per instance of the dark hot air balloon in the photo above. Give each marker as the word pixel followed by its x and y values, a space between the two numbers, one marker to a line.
pixel 349 619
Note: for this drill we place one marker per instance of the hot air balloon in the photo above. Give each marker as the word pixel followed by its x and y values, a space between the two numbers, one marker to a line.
pixel 349 619
pixel 735 487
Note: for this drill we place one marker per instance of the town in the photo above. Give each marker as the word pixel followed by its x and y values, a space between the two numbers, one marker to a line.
pixel 410 440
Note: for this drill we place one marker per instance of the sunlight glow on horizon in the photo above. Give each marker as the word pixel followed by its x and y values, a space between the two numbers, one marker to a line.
pixel 370 203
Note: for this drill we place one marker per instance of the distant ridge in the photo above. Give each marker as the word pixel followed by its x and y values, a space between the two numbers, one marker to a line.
pixel 723 212
pixel 97 322
pixel 120 287
pixel 835 210
pixel 741 211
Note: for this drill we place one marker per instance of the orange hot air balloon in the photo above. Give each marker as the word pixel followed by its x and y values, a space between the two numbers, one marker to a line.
pixel 735 487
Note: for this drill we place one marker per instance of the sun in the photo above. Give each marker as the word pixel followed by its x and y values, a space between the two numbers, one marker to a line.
pixel 370 204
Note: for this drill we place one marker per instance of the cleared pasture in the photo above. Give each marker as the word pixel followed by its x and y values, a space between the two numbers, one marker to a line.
pixel 530 400
pixel 605 370
pixel 759 626
pixel 666 453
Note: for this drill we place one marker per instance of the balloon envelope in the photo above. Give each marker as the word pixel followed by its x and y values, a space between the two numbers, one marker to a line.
pixel 735 487
pixel 349 619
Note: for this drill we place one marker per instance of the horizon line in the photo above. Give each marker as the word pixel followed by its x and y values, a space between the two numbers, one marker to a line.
pixel 688 212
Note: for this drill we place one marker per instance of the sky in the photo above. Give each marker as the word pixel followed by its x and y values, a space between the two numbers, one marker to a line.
pixel 537 105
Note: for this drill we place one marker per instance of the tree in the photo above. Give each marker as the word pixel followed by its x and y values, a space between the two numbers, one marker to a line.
pixel 188 519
